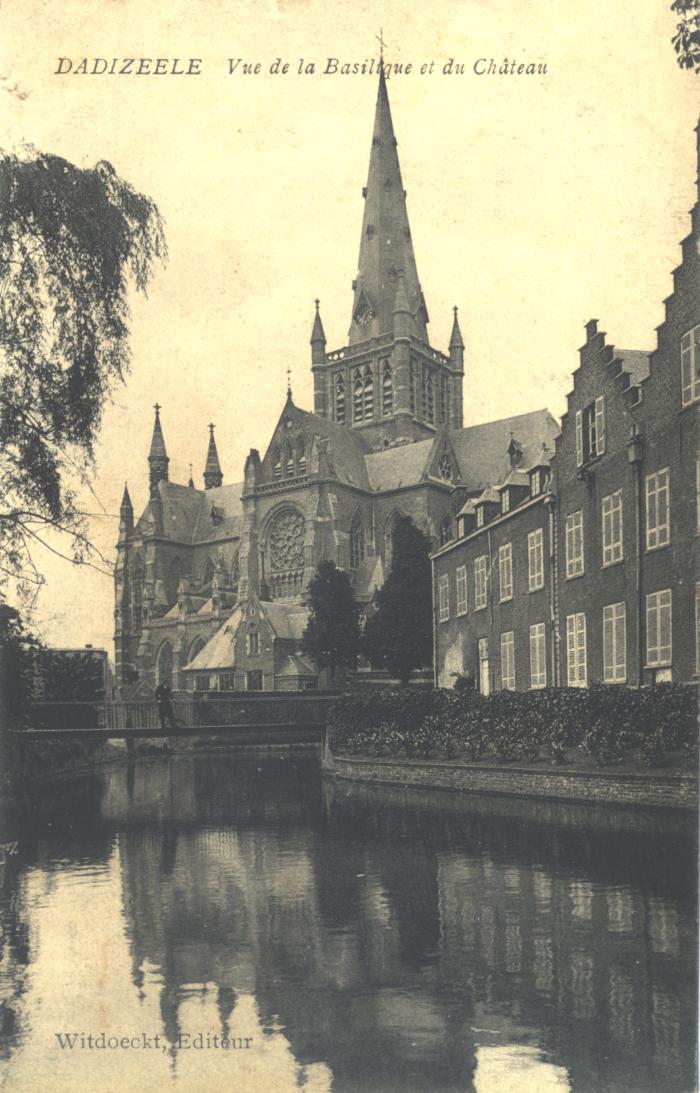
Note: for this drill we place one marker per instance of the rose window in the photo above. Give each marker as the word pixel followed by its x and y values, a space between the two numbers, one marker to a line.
pixel 287 541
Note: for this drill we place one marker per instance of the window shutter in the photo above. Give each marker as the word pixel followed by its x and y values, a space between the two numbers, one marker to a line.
pixel 600 425
pixel 579 438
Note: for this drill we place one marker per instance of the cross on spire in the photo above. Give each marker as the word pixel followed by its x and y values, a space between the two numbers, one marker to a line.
pixel 212 426
pixel 289 377
pixel 380 39
pixel 157 407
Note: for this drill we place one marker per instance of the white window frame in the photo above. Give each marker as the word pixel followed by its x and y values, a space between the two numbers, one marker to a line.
pixel 615 643
pixel 535 560
pixel 538 656
pixel 574 544
pixel 690 366
pixel 505 501
pixel 612 529
pixel 657 491
pixel 444 597
pixel 659 616
pixel 481 582
pixel 508 661
pixel 576 650
pixel 590 431
pixel 462 595
pixel 505 572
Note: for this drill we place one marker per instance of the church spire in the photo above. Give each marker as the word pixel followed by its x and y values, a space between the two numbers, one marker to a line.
pixel 386 248
pixel 212 471
pixel 456 341
pixel 158 456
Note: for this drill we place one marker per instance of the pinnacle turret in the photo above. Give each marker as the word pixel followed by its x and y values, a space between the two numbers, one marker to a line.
pixel 386 248
pixel 456 341
pixel 212 471
pixel 318 336
pixel 158 456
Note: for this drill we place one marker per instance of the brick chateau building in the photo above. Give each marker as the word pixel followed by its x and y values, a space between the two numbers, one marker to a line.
pixel 582 565
pixel 210 583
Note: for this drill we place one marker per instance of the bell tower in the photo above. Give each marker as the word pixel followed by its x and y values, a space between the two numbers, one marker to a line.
pixel 388 380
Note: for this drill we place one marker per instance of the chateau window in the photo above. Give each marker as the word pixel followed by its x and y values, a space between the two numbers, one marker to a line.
pixel 443 598
pixel 387 389
pixel 658 505
pixel 508 661
pixel 253 641
pixel 538 656
pixel 357 396
pixel 690 366
pixel 658 616
pixel 301 458
pixel 428 396
pixel 461 578
pixel 412 386
pixel 277 464
pixel 357 541
pixel 612 528
pixel 446 530
pixel 535 560
pixel 614 643
pixel 574 544
pixel 368 394
pixel 480 582
pixel 577 673
pixel 590 431
pixel 505 572
pixel 340 399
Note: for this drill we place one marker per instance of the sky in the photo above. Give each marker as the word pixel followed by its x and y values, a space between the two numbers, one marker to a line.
pixel 536 202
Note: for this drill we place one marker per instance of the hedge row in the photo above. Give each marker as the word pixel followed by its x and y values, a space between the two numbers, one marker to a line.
pixel 606 723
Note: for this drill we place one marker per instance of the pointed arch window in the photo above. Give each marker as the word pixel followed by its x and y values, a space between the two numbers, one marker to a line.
pixel 387 389
pixel 444 400
pixel 357 541
pixel 368 393
pixel 446 530
pixel 357 396
pixel 138 575
pixel 172 579
pixel 164 664
pixel 208 572
pixel 301 457
pixel 412 386
pixel 277 463
pixel 445 467
pixel 340 399
pixel 235 571
pixel 253 641
pixel 428 396
pixel 289 463
pixel 195 648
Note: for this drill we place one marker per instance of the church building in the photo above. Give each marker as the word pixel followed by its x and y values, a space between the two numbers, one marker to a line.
pixel 210 583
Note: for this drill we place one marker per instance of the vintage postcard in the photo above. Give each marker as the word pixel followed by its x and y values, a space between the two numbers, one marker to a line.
pixel 349 546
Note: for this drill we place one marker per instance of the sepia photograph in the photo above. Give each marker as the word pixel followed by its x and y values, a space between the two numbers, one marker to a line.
pixel 349 546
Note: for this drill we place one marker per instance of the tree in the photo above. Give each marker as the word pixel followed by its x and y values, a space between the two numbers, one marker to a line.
pixel 332 634
pixel 72 243
pixel 18 652
pixel 399 637
pixel 686 40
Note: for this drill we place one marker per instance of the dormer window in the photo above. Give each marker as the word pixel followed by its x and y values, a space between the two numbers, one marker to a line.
pixel 480 516
pixel 446 530
pixel 505 501
pixel 535 483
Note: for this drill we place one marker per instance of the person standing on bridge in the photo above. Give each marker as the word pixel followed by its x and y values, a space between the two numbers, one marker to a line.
pixel 164 699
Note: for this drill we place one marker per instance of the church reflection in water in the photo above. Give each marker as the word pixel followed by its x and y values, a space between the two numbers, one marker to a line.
pixel 404 940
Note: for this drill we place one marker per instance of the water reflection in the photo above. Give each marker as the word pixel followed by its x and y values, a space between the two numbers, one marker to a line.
pixel 363 939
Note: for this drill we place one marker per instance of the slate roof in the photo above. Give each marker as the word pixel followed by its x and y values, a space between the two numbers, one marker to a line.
pixel 403 465
pixel 348 447
pixel 220 650
pixel 288 620
pixel 187 512
pixel 295 666
pixel 482 450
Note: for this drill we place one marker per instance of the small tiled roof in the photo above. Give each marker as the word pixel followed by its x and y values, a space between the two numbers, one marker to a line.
pixel 515 478
pixel 489 495
pixel 403 465
pixel 482 450
pixel 220 650
pixel 467 508
pixel 288 620
pixel 296 665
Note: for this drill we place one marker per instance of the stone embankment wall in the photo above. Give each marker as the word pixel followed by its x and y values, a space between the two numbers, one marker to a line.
pixel 653 790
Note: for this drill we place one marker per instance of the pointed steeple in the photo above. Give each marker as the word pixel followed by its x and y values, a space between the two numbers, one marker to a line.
pixel 126 504
pixel 318 336
pixel 158 456
pixel 191 481
pixel 386 248
pixel 212 471
pixel 456 341
pixel 126 514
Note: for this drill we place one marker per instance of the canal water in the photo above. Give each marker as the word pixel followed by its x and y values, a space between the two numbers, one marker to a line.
pixel 216 923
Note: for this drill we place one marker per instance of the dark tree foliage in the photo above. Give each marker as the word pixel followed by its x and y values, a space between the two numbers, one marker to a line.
pixel 18 651
pixel 72 241
pixel 332 635
pixel 70 677
pixel 399 637
pixel 686 40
